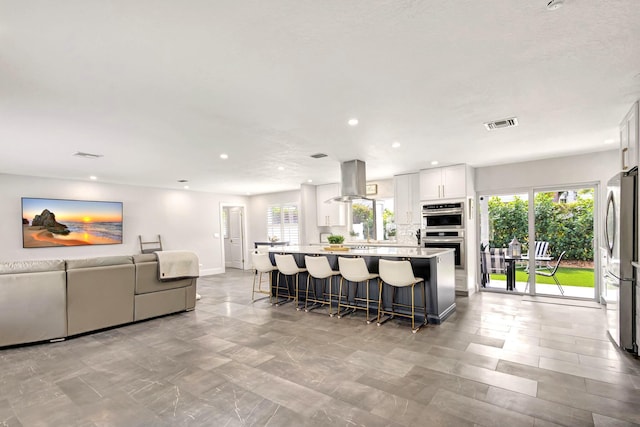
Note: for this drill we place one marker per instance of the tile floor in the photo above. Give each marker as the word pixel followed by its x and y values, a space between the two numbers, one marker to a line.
pixel 498 361
pixel 546 289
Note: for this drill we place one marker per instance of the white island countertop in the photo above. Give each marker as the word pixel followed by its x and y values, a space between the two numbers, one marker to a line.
pixel 364 243
pixel 386 251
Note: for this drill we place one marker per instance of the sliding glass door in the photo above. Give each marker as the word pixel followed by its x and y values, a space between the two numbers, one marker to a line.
pixel 504 220
pixel 565 230
pixel 558 260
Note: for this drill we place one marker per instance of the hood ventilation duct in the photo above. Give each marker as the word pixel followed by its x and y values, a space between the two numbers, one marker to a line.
pixel 354 181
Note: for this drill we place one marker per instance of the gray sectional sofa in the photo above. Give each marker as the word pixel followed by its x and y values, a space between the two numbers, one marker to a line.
pixel 55 299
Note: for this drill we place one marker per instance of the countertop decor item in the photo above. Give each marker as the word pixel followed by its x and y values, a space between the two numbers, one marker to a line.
pixel 336 248
pixel 335 239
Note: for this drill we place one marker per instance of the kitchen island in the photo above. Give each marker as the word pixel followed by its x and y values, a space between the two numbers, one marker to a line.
pixel 435 265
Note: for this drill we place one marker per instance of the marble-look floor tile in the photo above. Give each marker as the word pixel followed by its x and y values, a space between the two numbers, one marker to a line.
pixel 501 354
pixel 232 362
pixel 542 375
pixel 614 391
pixel 603 375
pixel 386 364
pixel 478 412
pixel 539 408
pixel 603 421
pixel 470 372
pixel 597 404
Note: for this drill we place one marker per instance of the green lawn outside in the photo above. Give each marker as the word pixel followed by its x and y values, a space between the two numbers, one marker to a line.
pixel 567 276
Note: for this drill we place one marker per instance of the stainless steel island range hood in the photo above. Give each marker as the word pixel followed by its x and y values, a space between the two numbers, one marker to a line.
pixel 354 181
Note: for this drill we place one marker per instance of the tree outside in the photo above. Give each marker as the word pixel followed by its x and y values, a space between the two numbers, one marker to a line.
pixel 566 225
pixel 363 214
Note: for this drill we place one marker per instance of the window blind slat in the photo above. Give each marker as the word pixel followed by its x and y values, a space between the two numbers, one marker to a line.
pixel 282 222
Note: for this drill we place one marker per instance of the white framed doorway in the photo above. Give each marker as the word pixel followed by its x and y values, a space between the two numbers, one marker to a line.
pixel 562 218
pixel 233 226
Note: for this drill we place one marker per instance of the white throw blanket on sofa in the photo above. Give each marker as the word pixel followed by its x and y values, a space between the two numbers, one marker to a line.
pixel 177 264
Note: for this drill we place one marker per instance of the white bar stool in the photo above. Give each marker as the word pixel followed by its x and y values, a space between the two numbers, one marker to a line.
pixel 319 268
pixel 354 270
pixel 399 274
pixel 288 268
pixel 261 265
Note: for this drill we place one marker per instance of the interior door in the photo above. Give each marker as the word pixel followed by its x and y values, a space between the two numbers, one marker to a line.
pixel 236 238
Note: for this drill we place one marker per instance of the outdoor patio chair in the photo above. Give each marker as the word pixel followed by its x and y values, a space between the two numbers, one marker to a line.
pixel 492 262
pixel 497 264
pixel 551 273
pixel 485 261
pixel 541 248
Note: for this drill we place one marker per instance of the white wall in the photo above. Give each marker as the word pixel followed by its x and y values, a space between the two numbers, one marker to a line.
pixel 186 220
pixel 590 167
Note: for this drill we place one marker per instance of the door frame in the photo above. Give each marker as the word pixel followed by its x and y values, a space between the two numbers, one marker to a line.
pixel 530 191
pixel 243 226
pixel 597 285
pixel 478 225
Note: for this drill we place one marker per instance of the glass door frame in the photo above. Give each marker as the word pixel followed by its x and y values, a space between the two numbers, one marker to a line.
pixel 528 191
pixel 596 235
pixel 531 191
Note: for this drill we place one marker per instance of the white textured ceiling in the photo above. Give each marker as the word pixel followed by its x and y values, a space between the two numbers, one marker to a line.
pixel 162 88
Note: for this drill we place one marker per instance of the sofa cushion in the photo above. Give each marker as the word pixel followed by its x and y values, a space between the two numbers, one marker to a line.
pixel 160 303
pixel 32 307
pixel 16 267
pixel 147 279
pixel 99 297
pixel 104 261
pixel 144 258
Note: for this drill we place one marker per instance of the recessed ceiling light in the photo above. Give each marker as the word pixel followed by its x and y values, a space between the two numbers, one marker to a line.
pixel 224 156
pixel 609 141
pixel 248 194
pixel 555 4
pixel 353 122
pixel 395 144
pixel 309 180
pixel 93 177
pixel 186 187
pixel 280 168
pixel 434 162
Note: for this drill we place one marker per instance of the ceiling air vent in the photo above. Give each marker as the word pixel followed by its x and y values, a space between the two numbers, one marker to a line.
pixel 87 155
pixel 499 124
pixel 318 155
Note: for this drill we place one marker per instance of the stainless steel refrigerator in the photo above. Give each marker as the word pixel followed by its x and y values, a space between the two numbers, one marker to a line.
pixel 620 238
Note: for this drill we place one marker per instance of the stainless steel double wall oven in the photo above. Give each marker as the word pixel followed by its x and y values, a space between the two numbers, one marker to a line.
pixel 443 225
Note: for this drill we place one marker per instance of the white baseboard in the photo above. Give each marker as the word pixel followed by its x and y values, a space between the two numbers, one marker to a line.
pixel 211 271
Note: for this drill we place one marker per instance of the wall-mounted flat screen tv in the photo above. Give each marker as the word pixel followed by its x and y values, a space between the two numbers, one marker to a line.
pixel 57 222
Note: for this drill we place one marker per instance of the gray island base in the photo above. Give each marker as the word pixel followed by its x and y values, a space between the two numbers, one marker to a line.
pixel 435 265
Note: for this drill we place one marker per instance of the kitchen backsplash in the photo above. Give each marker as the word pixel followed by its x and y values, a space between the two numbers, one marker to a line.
pixel 406 234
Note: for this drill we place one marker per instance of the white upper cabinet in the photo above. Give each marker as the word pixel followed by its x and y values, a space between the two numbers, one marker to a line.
pixel 443 183
pixel 406 199
pixel 332 213
pixel 629 139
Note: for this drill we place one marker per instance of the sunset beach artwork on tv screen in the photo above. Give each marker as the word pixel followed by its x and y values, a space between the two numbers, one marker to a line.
pixel 56 222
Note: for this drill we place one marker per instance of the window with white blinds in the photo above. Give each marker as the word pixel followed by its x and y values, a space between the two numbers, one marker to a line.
pixel 282 222
pixel 225 223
